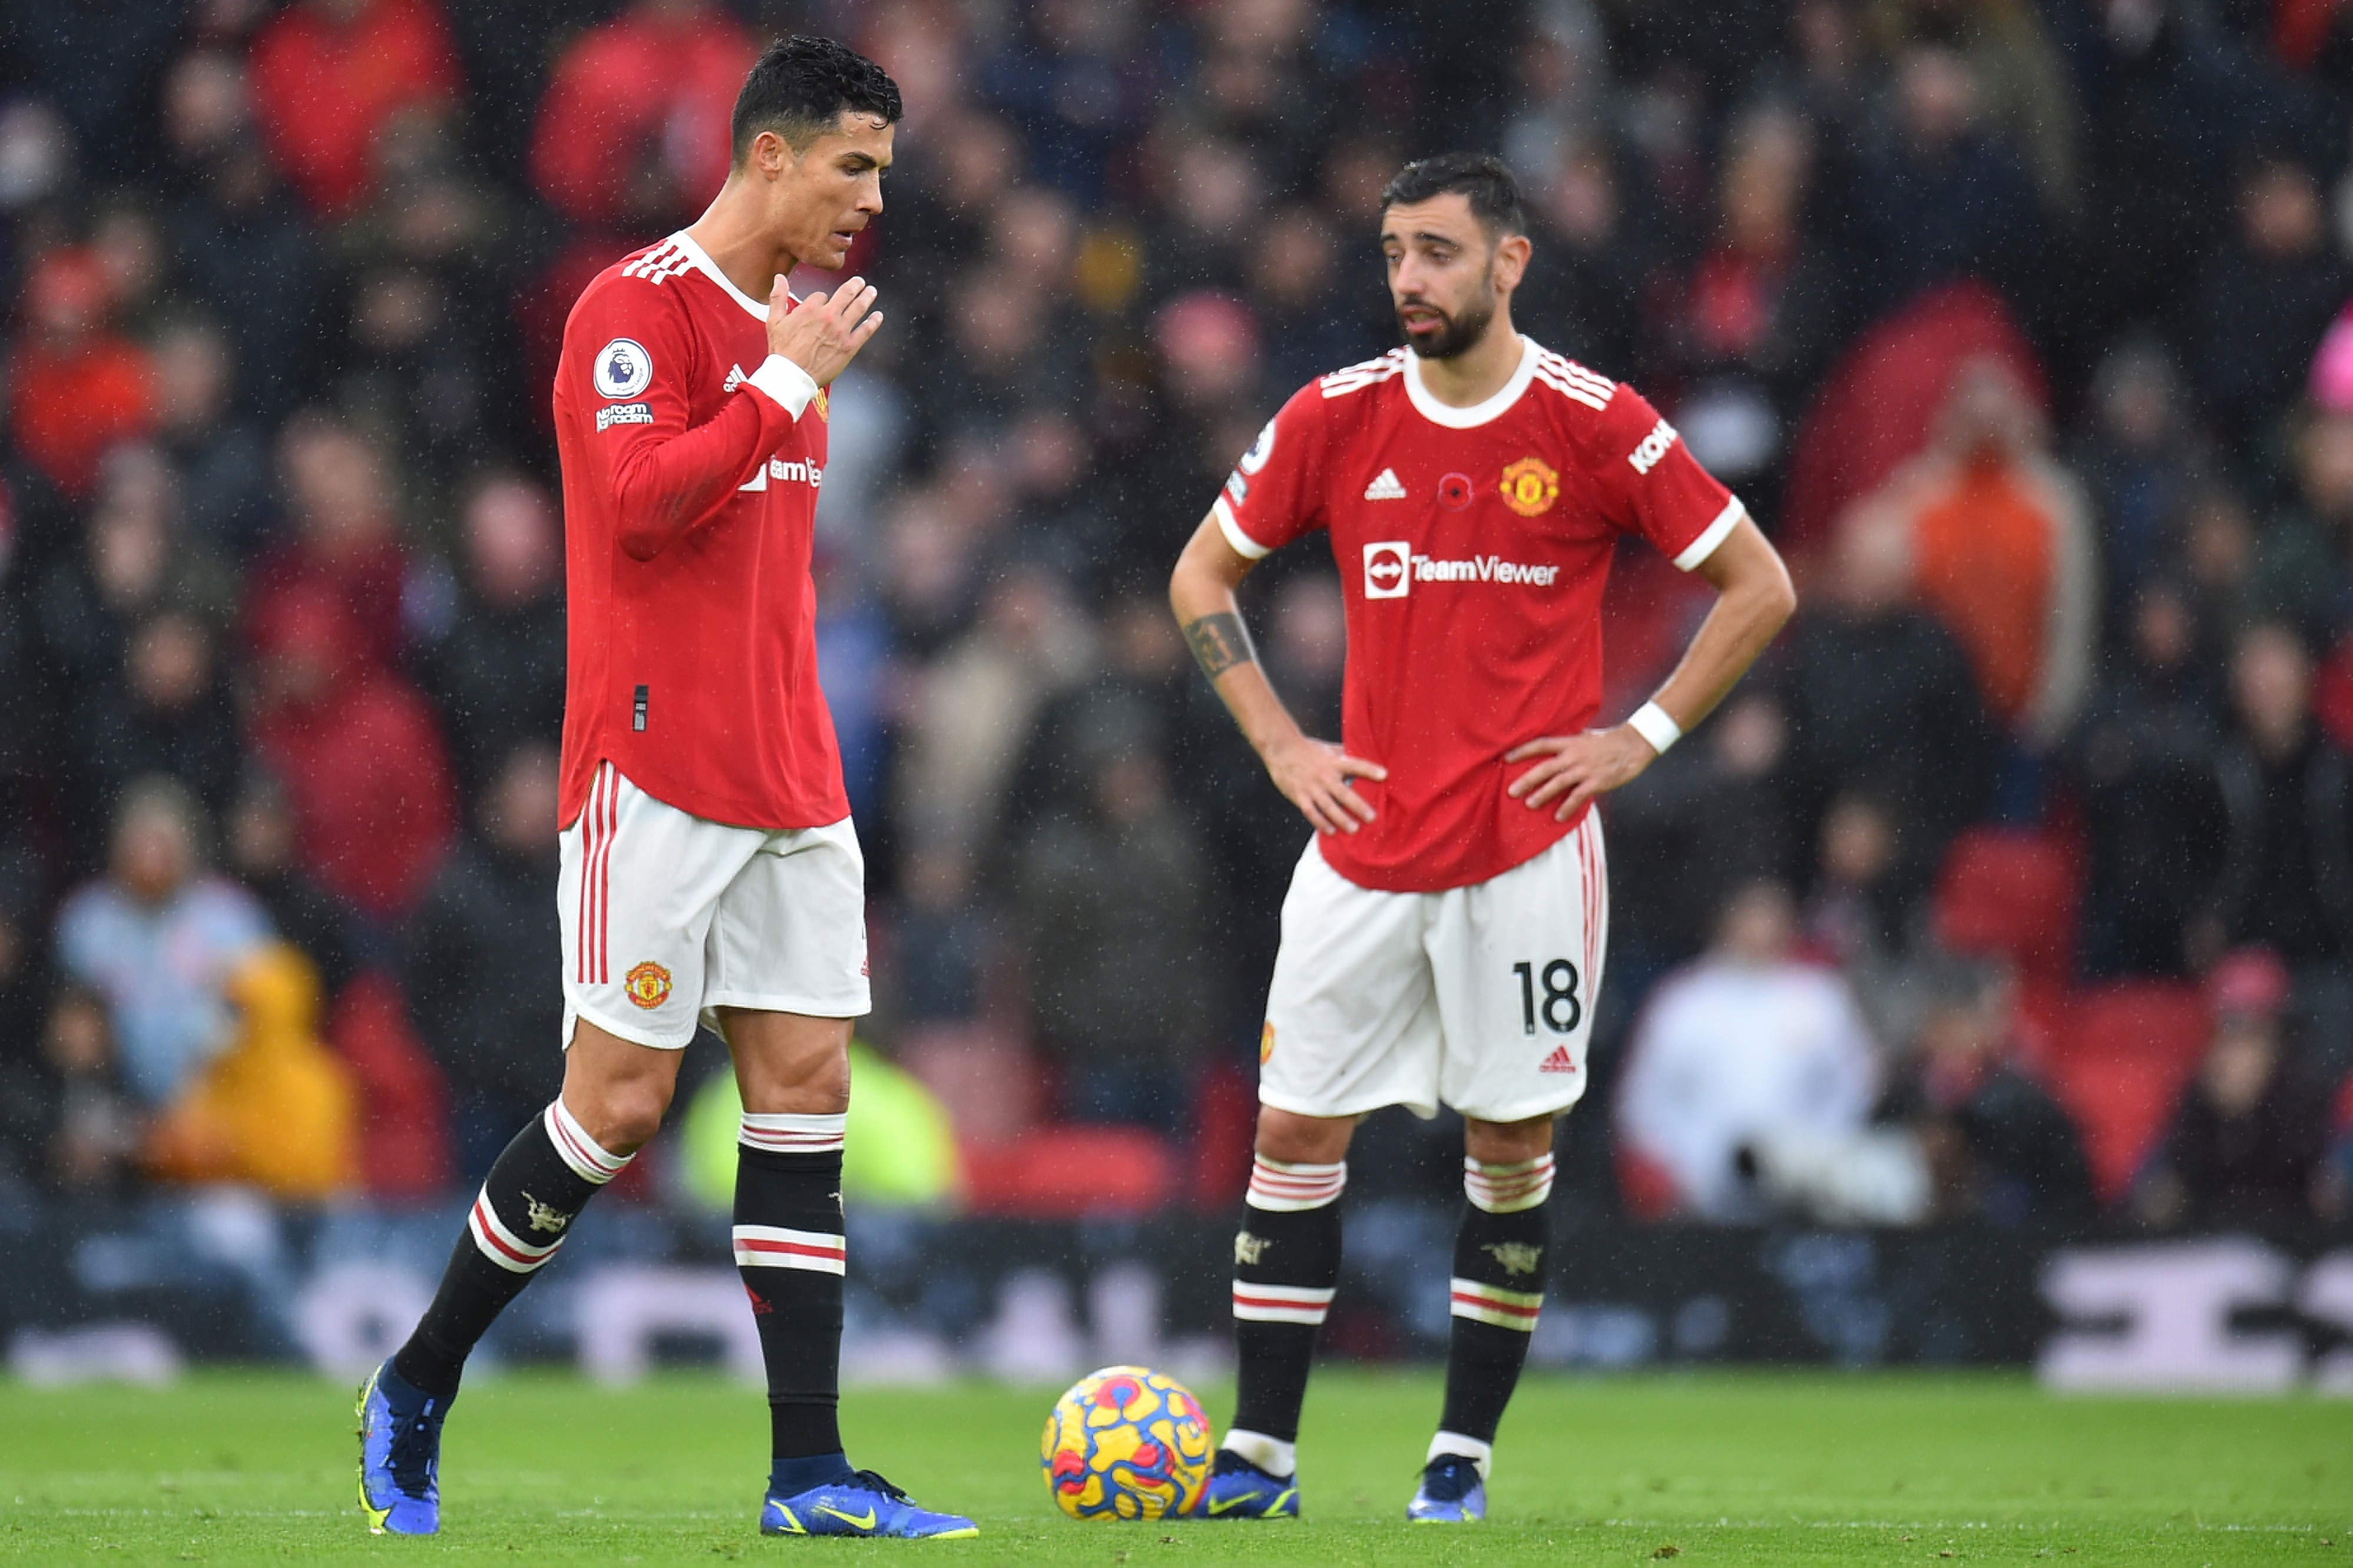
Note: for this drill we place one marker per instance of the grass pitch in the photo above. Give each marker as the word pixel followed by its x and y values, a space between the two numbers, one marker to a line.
pixel 1720 1469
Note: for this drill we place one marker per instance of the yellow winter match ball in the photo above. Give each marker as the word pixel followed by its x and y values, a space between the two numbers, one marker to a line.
pixel 1128 1443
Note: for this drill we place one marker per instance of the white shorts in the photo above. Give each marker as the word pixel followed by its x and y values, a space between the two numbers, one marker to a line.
pixel 1478 997
pixel 667 917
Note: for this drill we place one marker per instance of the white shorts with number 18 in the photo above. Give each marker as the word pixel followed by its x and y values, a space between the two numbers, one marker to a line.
pixel 1480 997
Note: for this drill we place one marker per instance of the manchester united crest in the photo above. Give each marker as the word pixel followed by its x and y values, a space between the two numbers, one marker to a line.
pixel 824 402
pixel 1265 1044
pixel 648 986
pixel 1530 488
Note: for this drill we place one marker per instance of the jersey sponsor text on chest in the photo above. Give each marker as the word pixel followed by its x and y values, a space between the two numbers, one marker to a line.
pixel 1391 569
pixel 778 468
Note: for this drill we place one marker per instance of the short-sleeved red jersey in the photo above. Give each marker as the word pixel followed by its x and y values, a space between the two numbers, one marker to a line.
pixel 689 509
pixel 1473 544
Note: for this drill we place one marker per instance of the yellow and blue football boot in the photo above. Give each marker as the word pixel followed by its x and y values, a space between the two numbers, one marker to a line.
pixel 1239 1490
pixel 861 1503
pixel 1452 1491
pixel 400 1456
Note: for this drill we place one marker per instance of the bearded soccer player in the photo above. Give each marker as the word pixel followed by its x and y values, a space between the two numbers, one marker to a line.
pixel 1444 936
pixel 710 871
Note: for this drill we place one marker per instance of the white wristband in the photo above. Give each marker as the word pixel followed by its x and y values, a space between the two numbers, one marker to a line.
pixel 1651 723
pixel 785 383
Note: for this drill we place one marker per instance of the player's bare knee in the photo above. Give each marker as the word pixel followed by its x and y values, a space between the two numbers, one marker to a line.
pixel 1507 1143
pixel 789 1065
pixel 823 1093
pixel 621 1114
pixel 1298 1139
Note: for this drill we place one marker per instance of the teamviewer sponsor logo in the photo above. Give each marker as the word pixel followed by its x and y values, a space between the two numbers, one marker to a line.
pixel 1483 569
pixel 1388 569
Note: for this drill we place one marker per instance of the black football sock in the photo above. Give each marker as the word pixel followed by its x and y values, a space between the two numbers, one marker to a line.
pixel 535 1188
pixel 1498 1287
pixel 1286 1268
pixel 790 1250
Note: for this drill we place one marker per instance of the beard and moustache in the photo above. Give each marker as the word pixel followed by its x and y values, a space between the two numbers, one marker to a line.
pixel 1456 335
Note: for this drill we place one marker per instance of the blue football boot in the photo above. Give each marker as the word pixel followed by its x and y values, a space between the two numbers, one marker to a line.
pixel 1239 1490
pixel 1451 1492
pixel 400 1456
pixel 862 1503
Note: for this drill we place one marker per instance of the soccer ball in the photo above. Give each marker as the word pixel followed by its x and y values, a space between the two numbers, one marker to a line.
pixel 1126 1443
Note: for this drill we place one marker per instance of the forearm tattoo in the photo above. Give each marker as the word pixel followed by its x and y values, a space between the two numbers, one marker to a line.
pixel 1219 642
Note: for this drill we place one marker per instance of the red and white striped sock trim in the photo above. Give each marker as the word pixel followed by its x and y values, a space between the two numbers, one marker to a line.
pixel 501 1245
pixel 1508 1189
pixel 774 1247
pixel 587 1158
pixel 1280 1188
pixel 1280 1303
pixel 780 1133
pixel 1490 1304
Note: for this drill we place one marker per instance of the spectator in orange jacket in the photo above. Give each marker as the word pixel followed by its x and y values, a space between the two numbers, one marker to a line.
pixel 276 1108
pixel 328 74
pixel 2003 551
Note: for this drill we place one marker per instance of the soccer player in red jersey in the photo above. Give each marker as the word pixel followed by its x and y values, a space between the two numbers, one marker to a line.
pixel 1443 940
pixel 709 870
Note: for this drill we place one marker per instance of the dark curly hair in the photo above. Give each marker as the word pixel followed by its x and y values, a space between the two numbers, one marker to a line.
pixel 802 85
pixel 1494 195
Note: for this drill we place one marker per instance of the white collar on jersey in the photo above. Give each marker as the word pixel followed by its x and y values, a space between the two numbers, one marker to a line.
pixel 710 268
pixel 1426 403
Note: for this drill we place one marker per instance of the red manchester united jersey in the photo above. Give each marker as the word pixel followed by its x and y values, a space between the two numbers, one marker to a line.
pixel 1473 544
pixel 689 506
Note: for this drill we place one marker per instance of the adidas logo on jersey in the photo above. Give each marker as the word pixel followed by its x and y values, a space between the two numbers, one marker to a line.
pixel 1559 1061
pixel 735 378
pixel 1385 488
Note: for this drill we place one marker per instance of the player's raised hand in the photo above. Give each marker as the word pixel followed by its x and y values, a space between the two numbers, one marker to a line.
pixel 1314 776
pixel 1573 769
pixel 824 332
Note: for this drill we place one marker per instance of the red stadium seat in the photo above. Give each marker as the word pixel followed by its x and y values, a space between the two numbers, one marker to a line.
pixel 2046 1020
pixel 2122 1066
pixel 2011 894
pixel 1644 1186
pixel 404 1115
pixel 1225 1122
pixel 1071 1173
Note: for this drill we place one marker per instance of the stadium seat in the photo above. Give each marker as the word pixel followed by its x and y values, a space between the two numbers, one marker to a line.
pixel 2011 894
pixel 404 1114
pixel 1225 1125
pixel 2121 1067
pixel 1072 1172
pixel 2046 1018
pixel 1644 1186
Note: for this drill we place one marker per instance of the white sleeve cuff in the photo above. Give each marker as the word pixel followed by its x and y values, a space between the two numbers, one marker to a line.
pixel 1700 549
pixel 786 384
pixel 1246 547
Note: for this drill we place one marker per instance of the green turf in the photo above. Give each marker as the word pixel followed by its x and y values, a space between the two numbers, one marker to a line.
pixel 256 1467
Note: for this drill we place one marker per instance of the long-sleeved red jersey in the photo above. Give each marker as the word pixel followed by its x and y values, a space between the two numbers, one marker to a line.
pixel 691 470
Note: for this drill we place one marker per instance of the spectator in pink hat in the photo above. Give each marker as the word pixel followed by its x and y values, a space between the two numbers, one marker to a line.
pixel 2248 1141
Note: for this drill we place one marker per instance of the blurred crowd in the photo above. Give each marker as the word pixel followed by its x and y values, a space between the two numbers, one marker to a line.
pixel 2016 885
